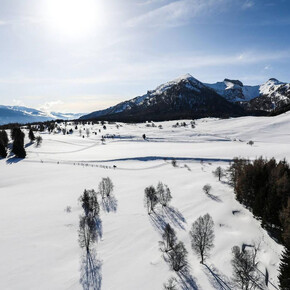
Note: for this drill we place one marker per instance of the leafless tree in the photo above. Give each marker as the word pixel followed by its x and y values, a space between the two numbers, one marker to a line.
pixel 89 203
pixel 163 193
pixel 219 172
pixel 169 239
pixel 171 284
pixel 106 187
pixel 202 236
pixel 246 275
pixel 150 198
pixel 207 188
pixel 177 258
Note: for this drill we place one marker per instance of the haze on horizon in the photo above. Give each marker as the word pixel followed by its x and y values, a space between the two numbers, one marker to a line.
pixel 85 55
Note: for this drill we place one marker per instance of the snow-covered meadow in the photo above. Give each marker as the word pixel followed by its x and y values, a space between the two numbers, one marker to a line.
pixel 39 239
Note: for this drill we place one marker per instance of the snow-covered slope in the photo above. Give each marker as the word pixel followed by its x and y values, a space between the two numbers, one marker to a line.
pixel 20 114
pixel 273 95
pixel 235 91
pixel 39 239
pixel 184 97
pixel 269 96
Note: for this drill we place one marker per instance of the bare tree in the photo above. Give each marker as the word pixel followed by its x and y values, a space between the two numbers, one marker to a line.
pixel 87 232
pixel 202 236
pixel 150 198
pixel 106 187
pixel 169 239
pixel 219 172
pixel 38 141
pixel 207 188
pixel 177 258
pixel 89 203
pixel 246 275
pixel 171 284
pixel 163 193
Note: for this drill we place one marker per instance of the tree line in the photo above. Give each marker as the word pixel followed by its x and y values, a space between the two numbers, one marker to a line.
pixel 263 186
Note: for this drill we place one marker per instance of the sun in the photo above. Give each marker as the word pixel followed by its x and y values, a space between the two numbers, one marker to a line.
pixel 74 18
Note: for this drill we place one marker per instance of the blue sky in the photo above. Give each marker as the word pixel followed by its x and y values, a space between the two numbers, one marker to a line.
pixel 91 54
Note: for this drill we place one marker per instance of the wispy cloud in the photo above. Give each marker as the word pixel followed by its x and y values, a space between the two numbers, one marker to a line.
pixel 176 13
pixel 248 4
pixel 124 71
pixel 2 22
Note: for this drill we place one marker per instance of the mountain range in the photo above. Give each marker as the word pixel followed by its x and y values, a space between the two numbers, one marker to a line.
pixel 184 97
pixel 187 97
pixel 20 114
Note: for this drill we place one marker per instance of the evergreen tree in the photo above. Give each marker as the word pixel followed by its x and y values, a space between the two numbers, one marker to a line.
pixel 18 143
pixel 284 276
pixel 4 138
pixel 3 152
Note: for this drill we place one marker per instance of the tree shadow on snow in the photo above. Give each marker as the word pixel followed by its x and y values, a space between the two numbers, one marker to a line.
pixel 186 281
pixel 217 280
pixel 109 203
pixel 174 216
pixel 99 227
pixel 214 197
pixel 13 160
pixel 167 215
pixel 91 272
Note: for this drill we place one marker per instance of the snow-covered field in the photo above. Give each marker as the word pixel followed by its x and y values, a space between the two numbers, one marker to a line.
pixel 39 239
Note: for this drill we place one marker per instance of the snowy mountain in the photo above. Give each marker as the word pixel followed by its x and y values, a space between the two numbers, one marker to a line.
pixel 20 114
pixel 235 91
pixel 184 97
pixel 274 95
pixel 269 96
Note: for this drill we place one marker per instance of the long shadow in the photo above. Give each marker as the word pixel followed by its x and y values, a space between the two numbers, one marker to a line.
pixel 217 280
pixel 99 227
pixel 166 215
pixel 214 197
pixel 13 160
pixel 174 216
pixel 186 280
pixel 91 272
pixel 153 158
pixel 28 144
pixel 158 222
pixel 109 203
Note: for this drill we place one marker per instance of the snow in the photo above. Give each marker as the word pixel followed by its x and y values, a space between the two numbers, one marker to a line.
pixel 39 239
pixel 228 90
pixel 270 86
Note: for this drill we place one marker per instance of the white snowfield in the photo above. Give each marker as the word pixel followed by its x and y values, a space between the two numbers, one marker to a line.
pixel 39 240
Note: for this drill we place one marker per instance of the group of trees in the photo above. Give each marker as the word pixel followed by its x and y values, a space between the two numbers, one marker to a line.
pixel 90 230
pixel 160 195
pixel 176 253
pixel 263 186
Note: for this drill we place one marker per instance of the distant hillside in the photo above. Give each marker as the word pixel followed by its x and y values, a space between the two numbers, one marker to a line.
pixel 19 114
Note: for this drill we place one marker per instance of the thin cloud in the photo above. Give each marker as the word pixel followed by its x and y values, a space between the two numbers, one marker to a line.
pixel 123 71
pixel 176 13
pixel 248 4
